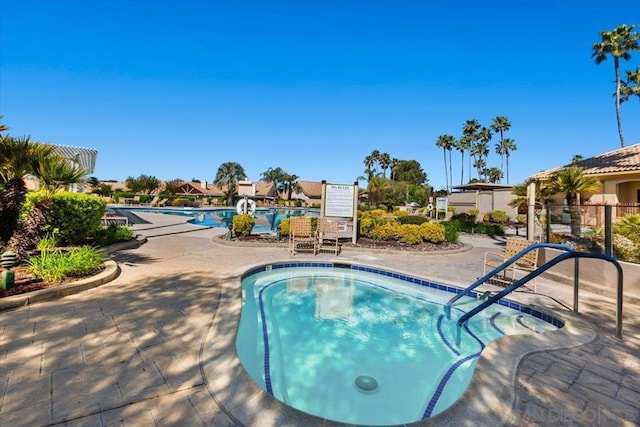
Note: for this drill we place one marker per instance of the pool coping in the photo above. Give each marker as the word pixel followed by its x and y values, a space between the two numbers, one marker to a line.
pixel 488 400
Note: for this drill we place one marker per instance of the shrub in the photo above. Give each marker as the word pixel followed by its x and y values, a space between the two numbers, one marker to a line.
pixel 432 232
pixel 412 219
pixel 629 227
pixel 400 214
pixel 451 231
pixel 386 231
pixel 242 224
pixel 410 234
pixel 499 216
pixel 283 228
pixel 181 201
pixel 521 218
pixel 378 213
pixel 55 266
pixel 464 217
pixel 473 212
pixel 451 209
pixel 626 249
pixel 113 234
pixel 76 216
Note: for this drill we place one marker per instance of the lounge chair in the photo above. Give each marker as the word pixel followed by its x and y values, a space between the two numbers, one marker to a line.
pixel 301 235
pixel 153 202
pixel 526 264
pixel 328 229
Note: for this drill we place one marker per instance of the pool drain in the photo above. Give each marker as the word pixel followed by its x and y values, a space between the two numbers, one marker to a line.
pixel 366 383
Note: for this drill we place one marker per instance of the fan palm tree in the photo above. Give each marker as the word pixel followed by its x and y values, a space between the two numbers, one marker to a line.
pixel 630 87
pixel 618 43
pixel 520 201
pixel 385 162
pixel 227 176
pixel 571 181
pixel 273 175
pixel 375 189
pixel 446 142
pixel 462 144
pixel 290 184
pixel 508 146
pixel 500 125
pixel 470 131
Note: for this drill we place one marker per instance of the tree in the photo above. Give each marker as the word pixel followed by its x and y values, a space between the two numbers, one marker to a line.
pixel 571 182
pixel 446 142
pixel 618 43
pixel 631 86
pixel 18 157
pixel 146 184
pixel 227 177
pixel 521 201
pixel 409 171
pixel 577 159
pixel 290 184
pixel 93 182
pixel 385 161
pixel 274 176
pixel 494 175
pixel 461 145
pixel 55 173
pixel 375 189
pixel 470 131
pixel 508 145
pixel 501 124
pixel 171 187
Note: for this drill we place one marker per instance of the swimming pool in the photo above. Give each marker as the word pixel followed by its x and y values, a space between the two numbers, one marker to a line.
pixel 365 346
pixel 267 219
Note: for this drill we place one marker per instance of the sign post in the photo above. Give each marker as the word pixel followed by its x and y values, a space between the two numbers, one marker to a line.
pixel 341 201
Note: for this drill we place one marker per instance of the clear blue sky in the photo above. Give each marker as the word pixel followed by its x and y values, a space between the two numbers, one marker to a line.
pixel 176 88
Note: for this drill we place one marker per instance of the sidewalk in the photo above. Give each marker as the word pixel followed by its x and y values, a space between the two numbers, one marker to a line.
pixel 133 352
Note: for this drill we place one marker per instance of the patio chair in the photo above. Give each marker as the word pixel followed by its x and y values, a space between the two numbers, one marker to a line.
pixel 153 202
pixel 328 229
pixel 526 264
pixel 301 235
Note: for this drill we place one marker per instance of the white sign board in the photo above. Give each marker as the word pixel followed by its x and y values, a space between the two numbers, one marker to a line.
pixel 441 204
pixel 338 201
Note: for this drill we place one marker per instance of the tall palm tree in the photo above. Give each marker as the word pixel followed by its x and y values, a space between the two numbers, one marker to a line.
pixel 446 142
pixel 508 146
pixel 618 43
pixel 470 131
pixel 571 182
pixel 375 189
pixel 462 144
pixel 630 87
pixel 369 169
pixel 228 175
pixel 385 162
pixel 484 137
pixel 392 168
pixel 500 125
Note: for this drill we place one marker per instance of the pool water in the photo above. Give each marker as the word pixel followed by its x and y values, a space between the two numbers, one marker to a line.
pixel 360 346
pixel 267 220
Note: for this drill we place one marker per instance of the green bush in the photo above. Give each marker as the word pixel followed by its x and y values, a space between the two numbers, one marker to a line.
pixel 521 218
pixel 77 217
pixel 629 227
pixel 378 213
pixel 451 231
pixel 242 224
pixel 499 216
pixel 400 214
pixel 473 212
pixel 181 201
pixel 412 219
pixel 113 234
pixel 55 266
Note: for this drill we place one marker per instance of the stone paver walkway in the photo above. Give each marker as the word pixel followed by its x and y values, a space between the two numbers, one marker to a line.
pixel 129 353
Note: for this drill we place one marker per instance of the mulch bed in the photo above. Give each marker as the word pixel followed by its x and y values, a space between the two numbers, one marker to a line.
pixel 25 281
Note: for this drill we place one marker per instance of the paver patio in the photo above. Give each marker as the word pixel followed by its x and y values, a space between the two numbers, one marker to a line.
pixel 130 353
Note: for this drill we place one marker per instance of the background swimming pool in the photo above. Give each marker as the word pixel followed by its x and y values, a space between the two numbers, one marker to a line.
pixel 267 219
pixel 307 333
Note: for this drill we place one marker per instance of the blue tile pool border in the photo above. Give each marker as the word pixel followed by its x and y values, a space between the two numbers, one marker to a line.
pixel 406 278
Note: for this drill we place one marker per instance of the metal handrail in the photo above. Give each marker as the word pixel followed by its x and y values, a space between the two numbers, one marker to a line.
pixel 567 255
pixel 501 267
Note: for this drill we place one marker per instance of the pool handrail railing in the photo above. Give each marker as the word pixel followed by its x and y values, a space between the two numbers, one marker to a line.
pixel 570 253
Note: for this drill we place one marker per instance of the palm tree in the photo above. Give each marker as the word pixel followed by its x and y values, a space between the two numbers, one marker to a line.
pixel 571 182
pixel 461 145
pixel 618 43
pixel 228 175
pixel 494 175
pixel 55 174
pixel 385 162
pixel 273 175
pixel 501 124
pixel 470 131
pixel 484 137
pixel 631 86
pixel 521 201
pixel 375 189
pixel 290 184
pixel 508 145
pixel 18 157
pixel 446 142
pixel 369 169
pixel 577 159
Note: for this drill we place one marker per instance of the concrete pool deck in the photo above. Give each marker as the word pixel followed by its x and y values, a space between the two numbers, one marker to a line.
pixel 147 348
